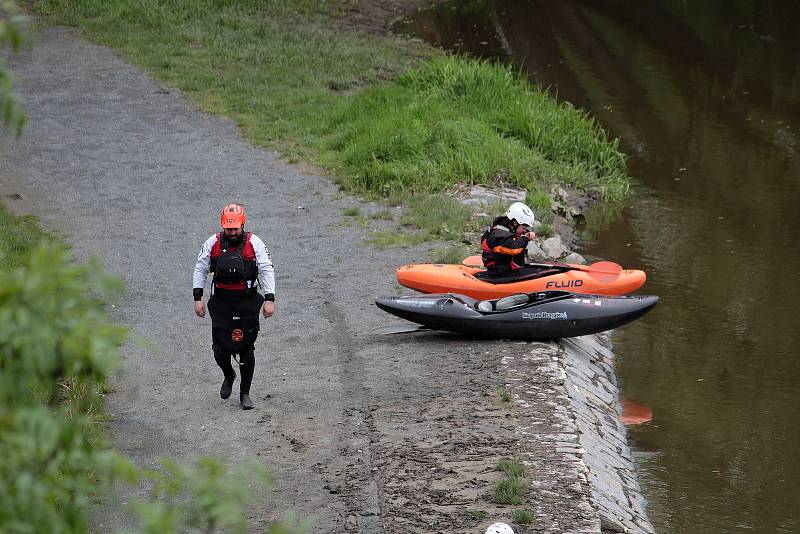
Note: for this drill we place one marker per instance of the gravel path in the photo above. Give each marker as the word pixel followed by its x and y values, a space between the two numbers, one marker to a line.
pixel 362 433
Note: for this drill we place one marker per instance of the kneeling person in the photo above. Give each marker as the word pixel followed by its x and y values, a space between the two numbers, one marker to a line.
pixel 239 262
pixel 504 243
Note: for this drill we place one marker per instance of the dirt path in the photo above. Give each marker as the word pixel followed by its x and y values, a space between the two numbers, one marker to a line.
pixel 363 434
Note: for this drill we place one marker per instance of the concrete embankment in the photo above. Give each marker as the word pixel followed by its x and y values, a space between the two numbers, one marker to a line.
pixel 574 380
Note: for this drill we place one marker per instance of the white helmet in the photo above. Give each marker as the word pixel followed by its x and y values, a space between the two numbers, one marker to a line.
pixel 521 213
pixel 500 528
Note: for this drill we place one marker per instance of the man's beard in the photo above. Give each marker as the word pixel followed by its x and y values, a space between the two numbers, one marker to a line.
pixel 234 240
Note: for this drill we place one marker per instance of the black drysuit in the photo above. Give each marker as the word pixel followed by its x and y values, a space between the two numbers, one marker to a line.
pixel 502 250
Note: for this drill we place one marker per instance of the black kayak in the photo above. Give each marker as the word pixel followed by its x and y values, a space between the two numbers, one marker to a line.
pixel 531 316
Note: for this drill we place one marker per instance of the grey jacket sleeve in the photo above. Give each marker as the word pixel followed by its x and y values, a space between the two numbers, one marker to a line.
pixel 266 272
pixel 201 268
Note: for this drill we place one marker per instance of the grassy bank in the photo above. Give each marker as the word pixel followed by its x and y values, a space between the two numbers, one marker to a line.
pixel 384 116
pixel 19 237
pixel 454 121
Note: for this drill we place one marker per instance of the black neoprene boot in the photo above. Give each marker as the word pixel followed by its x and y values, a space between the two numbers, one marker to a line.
pixel 246 368
pixel 227 386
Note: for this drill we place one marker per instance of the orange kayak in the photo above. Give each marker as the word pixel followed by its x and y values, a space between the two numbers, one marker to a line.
pixel 446 278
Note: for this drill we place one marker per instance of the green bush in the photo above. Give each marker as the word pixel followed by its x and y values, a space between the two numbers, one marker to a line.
pixel 204 498
pixel 13 29
pixel 57 347
pixel 52 330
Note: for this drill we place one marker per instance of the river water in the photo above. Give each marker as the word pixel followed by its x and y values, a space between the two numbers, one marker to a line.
pixel 705 97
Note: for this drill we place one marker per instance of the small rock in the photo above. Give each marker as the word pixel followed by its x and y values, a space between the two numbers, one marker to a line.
pixel 471 237
pixel 574 212
pixel 535 251
pixel 479 196
pixel 473 203
pixel 554 248
pixel 574 257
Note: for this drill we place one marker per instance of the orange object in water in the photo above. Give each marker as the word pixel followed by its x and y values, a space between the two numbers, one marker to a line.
pixel 446 278
pixel 635 414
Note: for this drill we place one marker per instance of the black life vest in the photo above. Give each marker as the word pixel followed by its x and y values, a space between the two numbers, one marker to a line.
pixel 234 266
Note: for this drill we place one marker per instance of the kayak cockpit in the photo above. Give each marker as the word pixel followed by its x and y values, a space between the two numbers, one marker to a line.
pixel 519 300
pixel 530 272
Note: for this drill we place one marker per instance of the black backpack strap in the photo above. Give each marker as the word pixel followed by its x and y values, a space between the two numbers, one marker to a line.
pixel 254 280
pixel 220 237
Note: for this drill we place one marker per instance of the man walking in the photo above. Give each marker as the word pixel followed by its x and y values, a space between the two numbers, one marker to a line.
pixel 238 262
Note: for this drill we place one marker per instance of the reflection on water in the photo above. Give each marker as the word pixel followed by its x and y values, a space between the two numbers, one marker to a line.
pixel 705 98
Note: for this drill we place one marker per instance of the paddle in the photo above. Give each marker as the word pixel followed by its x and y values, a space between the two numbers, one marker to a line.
pixel 473 261
pixel 600 267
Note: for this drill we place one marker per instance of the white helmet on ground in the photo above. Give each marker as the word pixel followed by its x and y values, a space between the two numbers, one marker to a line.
pixel 521 213
pixel 499 528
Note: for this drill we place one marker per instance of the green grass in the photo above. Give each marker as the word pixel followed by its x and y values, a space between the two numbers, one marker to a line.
pixel 383 239
pixel 351 212
pixel 439 217
pixel 451 254
pixel 276 67
pixel 512 467
pixel 19 236
pixel 540 202
pixel 377 113
pixel 523 517
pixel 383 215
pixel 512 487
pixel 477 514
pixel 510 490
pixel 505 395
pixel 431 218
pixel 454 120
pixel 545 230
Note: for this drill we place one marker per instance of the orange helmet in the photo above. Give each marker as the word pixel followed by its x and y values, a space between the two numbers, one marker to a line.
pixel 232 216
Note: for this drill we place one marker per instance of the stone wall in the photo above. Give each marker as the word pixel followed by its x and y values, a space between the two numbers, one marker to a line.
pixel 584 440
pixel 591 385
